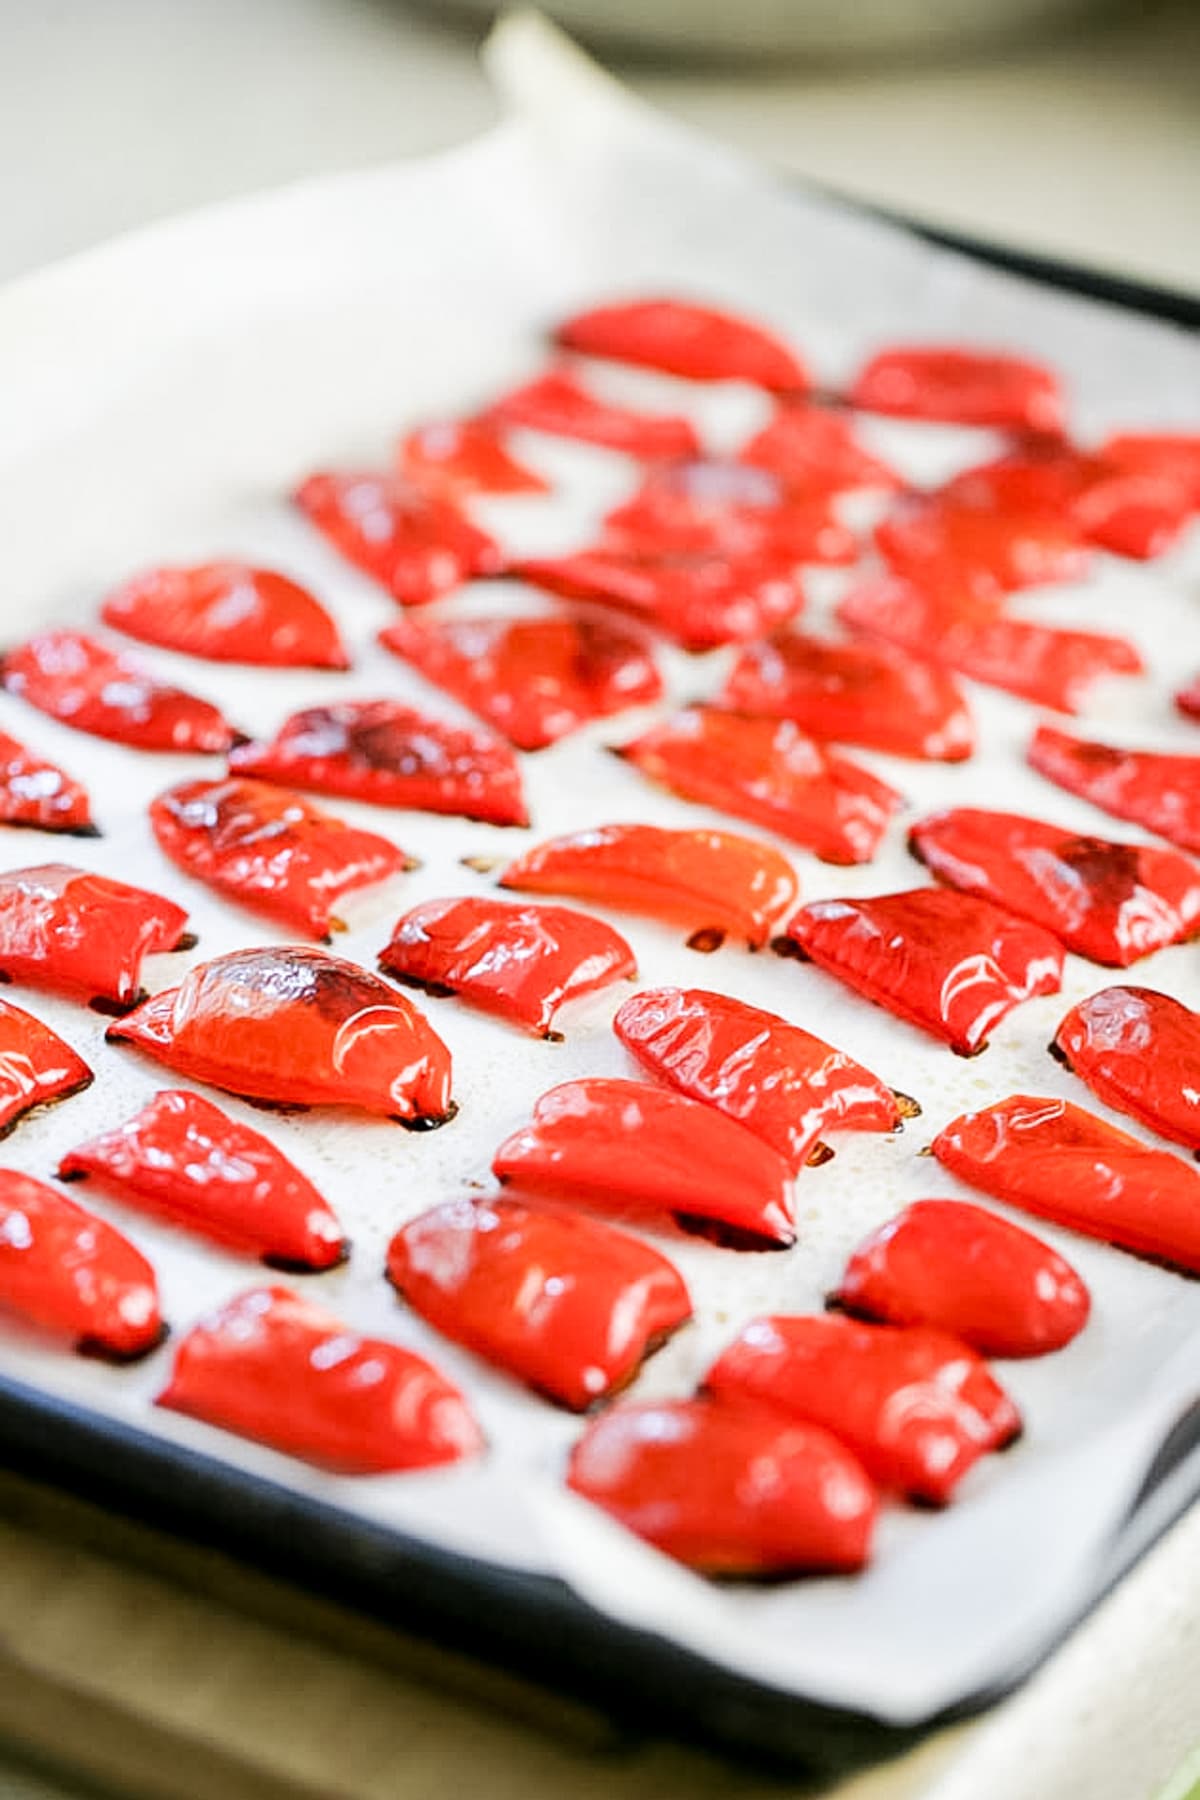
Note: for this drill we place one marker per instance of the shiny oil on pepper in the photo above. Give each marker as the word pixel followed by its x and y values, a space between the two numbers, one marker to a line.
pixel 951 384
pixel 228 612
pixel 85 684
pixel 679 337
pixel 1172 455
pixel 37 793
pixel 82 934
pixel 415 544
pixel 560 405
pixel 456 458
pixel 36 1067
pixel 1154 789
pixel 814 450
pixel 1126 511
pixel 728 509
pixel 1138 1051
pixel 951 548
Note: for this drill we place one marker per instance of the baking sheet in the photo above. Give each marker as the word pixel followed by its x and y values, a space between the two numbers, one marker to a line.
pixel 161 397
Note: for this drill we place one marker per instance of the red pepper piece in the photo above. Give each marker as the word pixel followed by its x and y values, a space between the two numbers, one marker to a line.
pixel 228 612
pixel 183 1158
pixel 414 544
pixel 535 680
pixel 459 457
pixel 1123 510
pixel 282 1371
pixel 729 509
pixel 297 1027
pixel 729 1489
pixel 381 751
pixel 271 849
pixel 82 934
pixel 918 1407
pixel 712 881
pixel 627 1148
pixel 520 962
pixel 1061 1163
pixel 1187 700
pixel 958 386
pixel 558 404
pixel 1138 1051
pixel 1147 787
pixel 944 545
pixel 1112 903
pixel 698 342
pixel 39 794
pixel 71 1273
pixel 1044 663
pixel 780 1082
pixel 566 1305
pixel 814 450
pixel 82 683
pixel 768 771
pixel 36 1067
pixel 962 1270
pixel 950 964
pixel 1172 455
pixel 870 694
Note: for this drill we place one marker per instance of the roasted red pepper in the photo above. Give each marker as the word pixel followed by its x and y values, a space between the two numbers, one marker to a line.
pixel 780 1082
pixel 960 386
pixel 1150 788
pixel 628 1149
pixel 39 794
pixel 83 683
pixel 814 450
pixel 36 1067
pixel 953 549
pixel 729 1488
pixel 282 1371
pixel 919 1407
pixel 1188 699
pixel 558 404
pixel 82 934
pixel 183 1158
pixel 1112 903
pixel 71 1273
pixel 712 881
pixel 962 1270
pixel 1053 1159
pixel 1172 455
pixel 728 509
pixel 271 849
pixel 1117 509
pixel 566 1305
pixel 768 771
pixel 870 694
pixel 297 1027
pixel 1138 1051
pixel 228 612
pixel 381 751
pixel 681 338
pixel 950 964
pixel 520 962
pixel 413 543
pixel 460 457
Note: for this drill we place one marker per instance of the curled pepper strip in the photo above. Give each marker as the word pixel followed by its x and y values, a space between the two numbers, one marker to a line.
pixel 958 386
pixel 917 1407
pixel 566 1305
pixel 814 450
pixel 1138 1051
pixel 36 1067
pixel 82 934
pixel 83 683
pixel 561 406
pixel 699 343
pixel 459 457
pixel 39 794
pixel 954 549
pixel 728 509
pixel 228 612
pixel 1172 455
pixel 413 543
pixel 183 1158
pixel 1150 788
pixel 729 1488
pixel 280 1370
pixel 1129 512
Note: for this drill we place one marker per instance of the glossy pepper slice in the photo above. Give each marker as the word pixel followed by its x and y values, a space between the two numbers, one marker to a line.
pixel 960 1269
pixel 1171 455
pixel 185 1159
pixel 681 338
pixel 768 771
pixel 626 1148
pixel 1151 788
pixel 415 544
pixel 950 964
pixel 535 680
pixel 712 881
pixel 82 934
pixel 297 1027
pixel 1123 510
pixel 558 404
pixel 228 612
pixel 391 755
pixel 870 694
pixel 36 1067
pixel 271 849
pixel 85 684
pixel 918 1407
pixel 1138 1051
pixel 728 509
pixel 959 386
pixel 1062 1163
pixel 1187 700
pixel 729 1488
pixel 456 458
pixel 71 1273
pixel 951 548
pixel 280 1370
pixel 814 450
pixel 780 1082
pixel 1112 903
pixel 566 1305
pixel 37 793
pixel 520 962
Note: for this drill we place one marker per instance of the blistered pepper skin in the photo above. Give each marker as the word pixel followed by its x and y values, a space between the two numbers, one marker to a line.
pixel 679 337
pixel 1138 1051
pixel 228 612
pixel 460 457
pixel 81 934
pixel 1156 790
pixel 38 794
pixel 954 385
pixel 950 964
pixel 36 1067
pixel 628 1149
pixel 814 450
pixel 780 1082
pixel 1110 902
pixel 566 1305
pixel 280 1370
pixel 413 543
pixel 1053 1159
pixel 85 684
pixel 728 509
pixel 948 547
pixel 297 1027
pixel 558 404
pixel 184 1159
pixel 918 1407
pixel 520 962
pixel 72 1274
pixel 729 1489
pixel 962 1270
